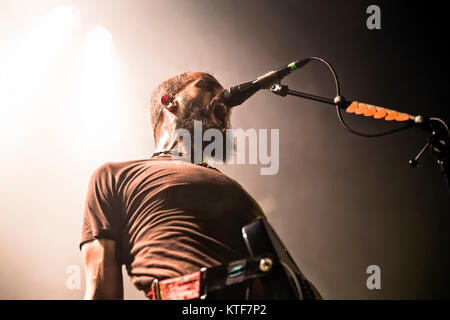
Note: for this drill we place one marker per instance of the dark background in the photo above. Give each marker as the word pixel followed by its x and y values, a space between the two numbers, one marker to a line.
pixel 340 202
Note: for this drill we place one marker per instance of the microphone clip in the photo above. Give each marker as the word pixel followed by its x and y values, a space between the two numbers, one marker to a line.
pixel 279 89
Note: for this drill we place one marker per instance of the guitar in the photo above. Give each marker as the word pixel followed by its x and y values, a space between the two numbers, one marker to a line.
pixel 285 282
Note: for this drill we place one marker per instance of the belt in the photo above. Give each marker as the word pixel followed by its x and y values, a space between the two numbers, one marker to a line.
pixel 198 284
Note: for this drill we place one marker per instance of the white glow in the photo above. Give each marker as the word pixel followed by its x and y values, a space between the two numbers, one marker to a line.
pixel 65 17
pixel 99 61
pixel 29 68
pixel 96 123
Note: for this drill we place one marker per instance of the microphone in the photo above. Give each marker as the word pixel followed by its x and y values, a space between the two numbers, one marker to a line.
pixel 236 95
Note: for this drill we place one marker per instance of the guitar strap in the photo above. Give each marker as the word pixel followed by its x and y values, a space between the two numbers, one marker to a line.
pixel 199 284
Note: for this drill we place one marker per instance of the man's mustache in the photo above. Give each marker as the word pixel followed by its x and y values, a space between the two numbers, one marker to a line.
pixel 194 111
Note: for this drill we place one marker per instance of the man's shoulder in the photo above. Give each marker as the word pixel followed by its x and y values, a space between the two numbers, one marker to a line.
pixel 115 167
pixel 120 170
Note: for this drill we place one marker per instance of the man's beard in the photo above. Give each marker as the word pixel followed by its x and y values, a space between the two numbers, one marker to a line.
pixel 195 111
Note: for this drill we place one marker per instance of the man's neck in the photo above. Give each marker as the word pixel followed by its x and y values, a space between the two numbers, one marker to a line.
pixel 171 145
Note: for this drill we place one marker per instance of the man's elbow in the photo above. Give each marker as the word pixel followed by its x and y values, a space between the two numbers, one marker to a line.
pixel 104 290
pixel 103 294
pixel 103 273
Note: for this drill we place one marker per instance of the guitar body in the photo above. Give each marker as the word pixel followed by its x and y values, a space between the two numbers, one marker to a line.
pixel 286 282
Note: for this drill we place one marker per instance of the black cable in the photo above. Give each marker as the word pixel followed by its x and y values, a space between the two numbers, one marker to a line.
pixel 294 278
pixel 338 110
pixel 443 123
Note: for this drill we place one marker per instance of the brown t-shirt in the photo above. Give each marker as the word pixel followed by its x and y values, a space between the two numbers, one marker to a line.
pixel 168 217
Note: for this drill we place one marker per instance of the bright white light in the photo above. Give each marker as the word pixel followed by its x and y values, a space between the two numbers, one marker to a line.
pixel 96 124
pixel 29 71
pixel 65 17
pixel 99 60
pixel 99 39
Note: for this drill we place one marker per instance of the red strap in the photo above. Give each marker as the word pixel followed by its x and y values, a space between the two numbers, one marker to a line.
pixel 180 288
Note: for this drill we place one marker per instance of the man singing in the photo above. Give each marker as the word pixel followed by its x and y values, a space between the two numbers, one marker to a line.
pixel 165 217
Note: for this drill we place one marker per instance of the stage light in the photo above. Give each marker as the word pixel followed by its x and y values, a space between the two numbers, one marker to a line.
pixel 65 17
pixel 100 95
pixel 29 71
pixel 98 59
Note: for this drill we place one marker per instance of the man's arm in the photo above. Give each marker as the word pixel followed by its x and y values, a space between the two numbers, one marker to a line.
pixel 103 272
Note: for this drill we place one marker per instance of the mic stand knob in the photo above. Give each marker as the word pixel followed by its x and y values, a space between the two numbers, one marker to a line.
pixel 280 89
pixel 414 163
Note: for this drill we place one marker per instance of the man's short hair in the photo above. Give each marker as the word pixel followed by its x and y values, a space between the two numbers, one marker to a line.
pixel 170 87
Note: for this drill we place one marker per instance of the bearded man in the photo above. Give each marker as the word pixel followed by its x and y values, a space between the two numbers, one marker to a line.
pixel 165 217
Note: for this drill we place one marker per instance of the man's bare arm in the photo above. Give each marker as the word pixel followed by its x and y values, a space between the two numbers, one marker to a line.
pixel 103 272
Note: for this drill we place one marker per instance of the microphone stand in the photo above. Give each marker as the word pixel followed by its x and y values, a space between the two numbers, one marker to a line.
pixel 438 140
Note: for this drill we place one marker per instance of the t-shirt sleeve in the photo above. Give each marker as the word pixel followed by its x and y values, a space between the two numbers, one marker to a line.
pixel 101 218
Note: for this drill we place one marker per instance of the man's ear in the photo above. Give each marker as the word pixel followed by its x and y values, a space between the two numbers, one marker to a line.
pixel 167 123
pixel 170 113
pixel 171 105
